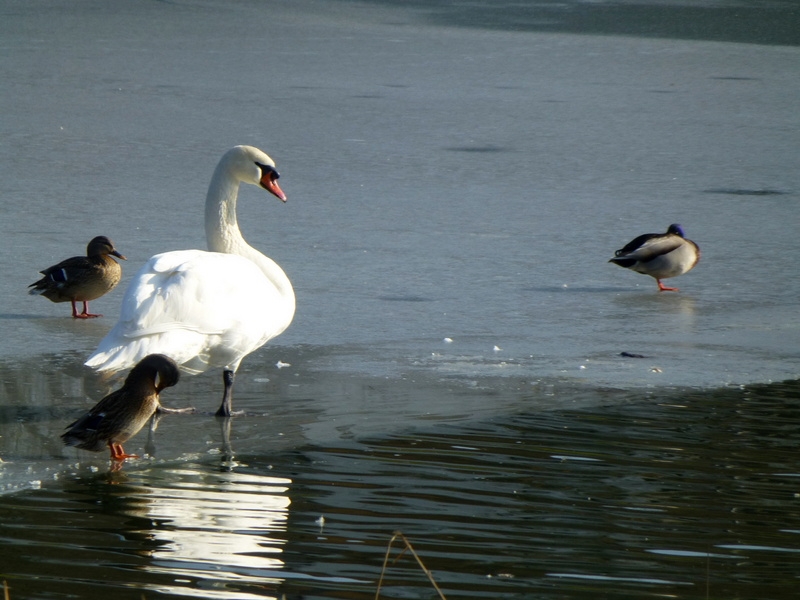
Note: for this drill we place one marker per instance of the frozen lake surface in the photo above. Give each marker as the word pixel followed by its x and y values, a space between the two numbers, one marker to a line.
pixel 458 176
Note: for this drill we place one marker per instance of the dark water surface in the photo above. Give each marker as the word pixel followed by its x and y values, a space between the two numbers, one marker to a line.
pixel 689 494
pixel 768 22
pixel 464 365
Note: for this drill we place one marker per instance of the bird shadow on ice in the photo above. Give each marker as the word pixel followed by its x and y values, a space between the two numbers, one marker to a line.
pixel 566 288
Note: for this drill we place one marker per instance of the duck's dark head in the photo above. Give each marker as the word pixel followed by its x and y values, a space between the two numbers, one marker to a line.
pixel 676 229
pixel 161 369
pixel 102 246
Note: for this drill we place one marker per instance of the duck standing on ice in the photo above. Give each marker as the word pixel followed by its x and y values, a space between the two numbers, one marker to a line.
pixel 81 278
pixel 660 255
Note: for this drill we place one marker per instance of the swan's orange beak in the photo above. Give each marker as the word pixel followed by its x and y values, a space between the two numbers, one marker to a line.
pixel 269 181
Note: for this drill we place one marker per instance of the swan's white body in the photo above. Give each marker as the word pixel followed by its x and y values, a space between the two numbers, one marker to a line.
pixel 206 309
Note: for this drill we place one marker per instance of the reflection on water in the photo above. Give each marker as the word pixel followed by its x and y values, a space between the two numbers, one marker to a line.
pixel 213 533
pixel 632 495
pixel 215 530
pixel 665 496
pixel 191 530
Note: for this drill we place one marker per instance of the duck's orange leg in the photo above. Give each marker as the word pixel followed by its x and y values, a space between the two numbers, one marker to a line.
pixel 117 453
pixel 85 314
pixel 75 313
pixel 663 288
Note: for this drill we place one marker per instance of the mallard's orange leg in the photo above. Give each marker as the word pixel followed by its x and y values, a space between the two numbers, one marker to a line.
pixel 75 314
pixel 663 288
pixel 85 314
pixel 117 453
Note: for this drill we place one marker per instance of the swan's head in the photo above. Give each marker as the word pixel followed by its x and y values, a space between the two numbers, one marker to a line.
pixel 255 167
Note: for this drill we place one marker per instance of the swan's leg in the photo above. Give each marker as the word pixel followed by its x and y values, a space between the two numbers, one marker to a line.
pixel 227 396
pixel 227 462
pixel 150 444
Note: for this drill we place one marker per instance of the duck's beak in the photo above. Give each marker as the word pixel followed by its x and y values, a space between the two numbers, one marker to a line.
pixel 269 181
pixel 117 254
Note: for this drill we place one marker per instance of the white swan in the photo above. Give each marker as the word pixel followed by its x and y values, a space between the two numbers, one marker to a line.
pixel 206 309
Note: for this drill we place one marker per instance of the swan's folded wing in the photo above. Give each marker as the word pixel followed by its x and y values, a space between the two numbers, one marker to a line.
pixel 187 305
pixel 167 294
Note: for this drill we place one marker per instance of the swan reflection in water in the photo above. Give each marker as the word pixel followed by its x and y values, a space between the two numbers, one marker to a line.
pixel 212 527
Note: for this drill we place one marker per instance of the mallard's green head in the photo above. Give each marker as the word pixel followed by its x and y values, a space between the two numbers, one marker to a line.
pixel 676 230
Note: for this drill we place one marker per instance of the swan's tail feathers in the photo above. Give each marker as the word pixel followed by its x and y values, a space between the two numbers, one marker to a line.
pixel 109 362
pixel 110 358
pixel 119 357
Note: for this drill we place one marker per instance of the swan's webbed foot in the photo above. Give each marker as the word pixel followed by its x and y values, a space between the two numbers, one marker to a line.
pixel 233 413
pixel 175 411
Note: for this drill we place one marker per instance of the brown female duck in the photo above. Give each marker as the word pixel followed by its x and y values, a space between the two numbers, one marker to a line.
pixel 82 278
pixel 120 415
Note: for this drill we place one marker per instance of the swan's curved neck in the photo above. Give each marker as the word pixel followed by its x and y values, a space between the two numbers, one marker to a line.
pixel 222 228
pixel 223 233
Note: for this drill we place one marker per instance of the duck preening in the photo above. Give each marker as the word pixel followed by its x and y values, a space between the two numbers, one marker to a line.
pixel 82 278
pixel 660 255
pixel 206 309
pixel 120 415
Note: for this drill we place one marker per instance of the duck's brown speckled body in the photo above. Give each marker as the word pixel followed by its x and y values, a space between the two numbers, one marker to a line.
pixel 120 415
pixel 82 278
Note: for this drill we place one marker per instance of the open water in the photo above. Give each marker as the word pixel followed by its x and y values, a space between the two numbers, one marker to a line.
pixel 458 175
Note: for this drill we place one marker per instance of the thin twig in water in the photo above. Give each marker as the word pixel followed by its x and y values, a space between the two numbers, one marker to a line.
pixel 5 591
pixel 410 548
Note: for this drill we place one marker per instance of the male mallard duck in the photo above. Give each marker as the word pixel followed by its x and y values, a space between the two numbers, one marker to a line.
pixel 81 278
pixel 120 415
pixel 660 255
